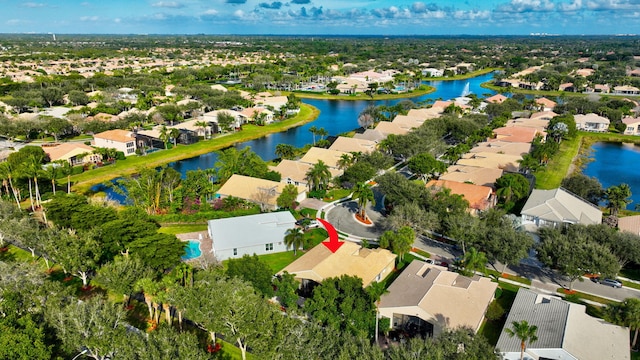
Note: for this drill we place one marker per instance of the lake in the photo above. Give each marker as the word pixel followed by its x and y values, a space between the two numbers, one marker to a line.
pixel 337 117
pixel 614 164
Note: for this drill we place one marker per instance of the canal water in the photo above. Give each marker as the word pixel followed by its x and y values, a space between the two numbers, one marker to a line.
pixel 614 164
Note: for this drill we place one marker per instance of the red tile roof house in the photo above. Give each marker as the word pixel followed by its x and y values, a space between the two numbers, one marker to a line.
pixel 496 99
pixel 515 134
pixel 121 140
pixel 546 104
pixel 480 197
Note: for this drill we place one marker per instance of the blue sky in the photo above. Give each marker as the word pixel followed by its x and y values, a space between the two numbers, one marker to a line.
pixel 309 17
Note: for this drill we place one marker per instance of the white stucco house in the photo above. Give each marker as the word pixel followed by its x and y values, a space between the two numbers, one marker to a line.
pixel 247 235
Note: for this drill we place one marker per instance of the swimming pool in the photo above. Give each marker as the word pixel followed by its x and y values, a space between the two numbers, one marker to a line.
pixel 192 251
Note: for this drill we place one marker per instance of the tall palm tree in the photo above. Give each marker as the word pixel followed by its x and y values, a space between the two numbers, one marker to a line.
pixel 345 161
pixel 626 313
pixel 475 260
pixel 318 176
pixel 313 130
pixel 294 238
pixel 53 171
pixel 6 173
pixel 322 132
pixel 174 134
pixel 524 332
pixel 202 125
pixel 164 135
pixel 364 194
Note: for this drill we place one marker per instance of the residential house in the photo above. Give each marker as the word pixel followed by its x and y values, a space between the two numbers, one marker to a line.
pixel 329 157
pixel 565 331
pixel 212 117
pixel 543 115
pixel 479 197
pixel 425 113
pixel 514 134
pixel 352 86
pixel 73 153
pixel 254 113
pixel 491 160
pixel 387 128
pixel 626 90
pixel 472 175
pixel 502 147
pixel 429 299
pixel 633 125
pixel 260 191
pixel 591 122
pixel 295 172
pixel 350 145
pixel 546 104
pixel 601 88
pixel 567 87
pixel 319 263
pixel 247 235
pixel 557 207
pixel 121 140
pixel 432 72
pixel 584 72
pixel 539 124
pixel 496 99
pixel 630 224
pixel 371 134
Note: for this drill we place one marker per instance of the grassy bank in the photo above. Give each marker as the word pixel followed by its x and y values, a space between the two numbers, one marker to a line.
pixel 82 182
pixel 424 89
pixel 557 168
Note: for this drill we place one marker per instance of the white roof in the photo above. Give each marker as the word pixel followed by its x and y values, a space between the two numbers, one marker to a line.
pixel 244 231
pixel 559 205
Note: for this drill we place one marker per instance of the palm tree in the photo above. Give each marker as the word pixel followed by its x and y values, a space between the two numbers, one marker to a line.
pixel 202 125
pixel 174 134
pixel 617 198
pixel 313 130
pixel 6 173
pixel 318 176
pixel 474 260
pixel 52 171
pixel 164 135
pixel 364 194
pixel 294 238
pixel 322 132
pixel 626 313
pixel 524 332
pixel 345 161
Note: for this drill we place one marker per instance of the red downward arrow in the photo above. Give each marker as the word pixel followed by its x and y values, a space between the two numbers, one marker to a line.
pixel 333 244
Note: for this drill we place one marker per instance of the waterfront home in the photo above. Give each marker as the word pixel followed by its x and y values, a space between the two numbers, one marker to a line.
pixel 472 175
pixel 546 104
pixel 591 122
pixel 428 299
pixel 633 125
pixel 351 145
pixel 371 134
pixel 260 191
pixel 539 124
pixel 73 153
pixel 479 197
pixel 565 331
pixel 121 140
pixel 626 90
pixel 295 172
pixel 496 99
pixel 252 234
pixel 212 118
pixel 386 128
pixel 319 263
pixel 558 207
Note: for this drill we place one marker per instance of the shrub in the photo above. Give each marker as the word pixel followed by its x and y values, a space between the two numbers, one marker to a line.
pixel 120 155
pixel 494 311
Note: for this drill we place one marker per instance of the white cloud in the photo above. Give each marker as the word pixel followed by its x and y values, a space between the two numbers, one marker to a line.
pixel 168 4
pixel 238 13
pixel 575 5
pixel 210 12
pixel 519 6
pixel 89 18
pixel 33 5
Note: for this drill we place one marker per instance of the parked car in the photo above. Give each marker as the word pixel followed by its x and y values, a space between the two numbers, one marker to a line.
pixel 610 282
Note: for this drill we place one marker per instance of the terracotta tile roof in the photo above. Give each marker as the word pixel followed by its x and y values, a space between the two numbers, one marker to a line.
pixel 117 135
pixel 472 174
pixel 496 99
pixel 546 103
pixel 502 147
pixel 515 134
pixel 478 196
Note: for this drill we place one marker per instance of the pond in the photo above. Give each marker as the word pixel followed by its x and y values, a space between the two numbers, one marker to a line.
pixel 614 164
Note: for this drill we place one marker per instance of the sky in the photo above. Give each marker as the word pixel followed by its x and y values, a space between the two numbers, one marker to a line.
pixel 322 17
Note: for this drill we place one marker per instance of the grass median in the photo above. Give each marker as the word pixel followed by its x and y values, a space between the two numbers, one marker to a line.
pixel 83 182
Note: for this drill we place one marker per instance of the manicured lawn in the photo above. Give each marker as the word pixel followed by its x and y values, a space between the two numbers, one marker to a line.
pixel 551 175
pixel 587 297
pixel 336 194
pixel 498 275
pixel 421 252
pixel 179 229
pixel 84 181
pixel 505 295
